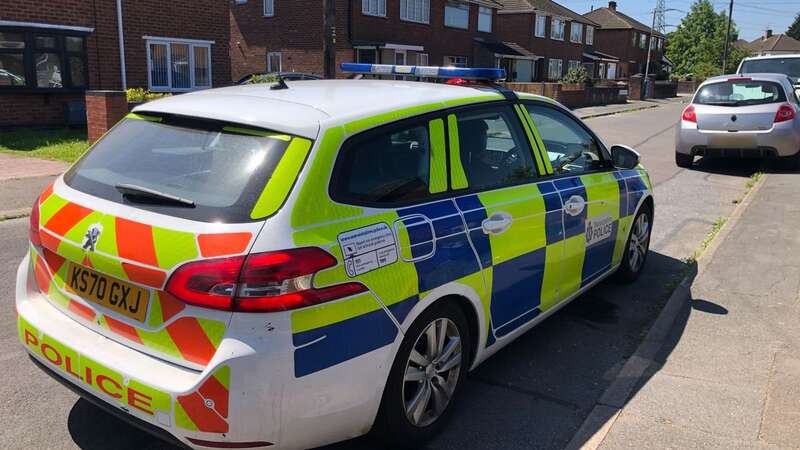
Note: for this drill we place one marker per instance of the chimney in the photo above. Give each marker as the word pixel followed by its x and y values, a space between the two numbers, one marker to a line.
pixel 768 34
pixel 612 5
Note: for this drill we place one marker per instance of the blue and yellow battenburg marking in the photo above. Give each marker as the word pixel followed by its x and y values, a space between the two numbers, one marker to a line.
pixel 532 267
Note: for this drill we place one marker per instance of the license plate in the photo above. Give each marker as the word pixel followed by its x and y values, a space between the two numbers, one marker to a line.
pixel 116 295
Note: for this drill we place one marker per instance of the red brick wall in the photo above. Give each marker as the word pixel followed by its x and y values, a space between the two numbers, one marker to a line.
pixel 620 44
pixel 103 111
pixel 34 109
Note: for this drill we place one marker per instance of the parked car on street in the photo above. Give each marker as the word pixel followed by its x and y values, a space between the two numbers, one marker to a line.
pixel 293 265
pixel 753 116
pixel 788 65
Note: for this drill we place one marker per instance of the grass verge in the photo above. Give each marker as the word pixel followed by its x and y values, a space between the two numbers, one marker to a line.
pixel 61 144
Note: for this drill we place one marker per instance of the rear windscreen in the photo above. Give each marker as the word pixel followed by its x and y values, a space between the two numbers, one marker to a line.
pixel 786 66
pixel 218 167
pixel 740 93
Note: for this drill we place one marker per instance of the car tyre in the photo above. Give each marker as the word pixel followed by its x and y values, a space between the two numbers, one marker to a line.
pixel 637 247
pixel 683 160
pixel 425 376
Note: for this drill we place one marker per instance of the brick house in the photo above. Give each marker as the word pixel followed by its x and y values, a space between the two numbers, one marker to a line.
pixel 282 35
pixel 52 51
pixel 772 44
pixel 628 39
pixel 559 38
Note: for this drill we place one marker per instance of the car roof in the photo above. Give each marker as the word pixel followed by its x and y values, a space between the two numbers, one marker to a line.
pixel 788 55
pixel 777 77
pixel 304 107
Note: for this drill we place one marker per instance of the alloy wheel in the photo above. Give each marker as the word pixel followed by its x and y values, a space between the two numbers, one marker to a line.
pixel 640 241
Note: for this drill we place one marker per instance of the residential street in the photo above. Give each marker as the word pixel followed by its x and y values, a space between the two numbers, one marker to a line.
pixel 534 394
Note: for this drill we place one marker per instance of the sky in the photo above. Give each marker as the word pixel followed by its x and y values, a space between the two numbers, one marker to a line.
pixel 752 17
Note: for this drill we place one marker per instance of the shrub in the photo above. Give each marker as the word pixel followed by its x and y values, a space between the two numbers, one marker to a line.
pixel 576 76
pixel 139 95
pixel 262 78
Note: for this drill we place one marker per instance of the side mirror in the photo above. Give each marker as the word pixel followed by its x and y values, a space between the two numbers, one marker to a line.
pixel 624 157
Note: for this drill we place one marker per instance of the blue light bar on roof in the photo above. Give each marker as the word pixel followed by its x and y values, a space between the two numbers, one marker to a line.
pixel 426 71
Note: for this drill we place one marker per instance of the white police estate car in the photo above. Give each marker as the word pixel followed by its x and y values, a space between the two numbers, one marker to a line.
pixel 289 266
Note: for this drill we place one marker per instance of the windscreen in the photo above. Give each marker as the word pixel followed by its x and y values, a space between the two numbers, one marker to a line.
pixel 218 170
pixel 740 93
pixel 786 66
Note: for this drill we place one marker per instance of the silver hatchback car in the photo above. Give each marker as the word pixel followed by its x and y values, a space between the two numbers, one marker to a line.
pixel 740 116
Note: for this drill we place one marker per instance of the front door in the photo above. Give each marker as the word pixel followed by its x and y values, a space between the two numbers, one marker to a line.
pixel 505 213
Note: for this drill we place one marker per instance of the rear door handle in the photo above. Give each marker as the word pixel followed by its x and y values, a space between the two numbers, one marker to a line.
pixel 498 223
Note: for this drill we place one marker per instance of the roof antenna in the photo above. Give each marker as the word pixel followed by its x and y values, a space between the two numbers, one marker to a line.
pixel 280 85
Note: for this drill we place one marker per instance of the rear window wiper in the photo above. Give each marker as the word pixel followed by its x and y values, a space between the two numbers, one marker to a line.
pixel 134 192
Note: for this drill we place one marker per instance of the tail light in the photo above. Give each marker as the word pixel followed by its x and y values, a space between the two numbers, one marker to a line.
pixel 689 115
pixel 260 282
pixel 785 113
pixel 33 228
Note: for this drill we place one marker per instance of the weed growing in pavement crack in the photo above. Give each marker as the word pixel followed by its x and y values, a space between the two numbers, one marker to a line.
pixel 754 178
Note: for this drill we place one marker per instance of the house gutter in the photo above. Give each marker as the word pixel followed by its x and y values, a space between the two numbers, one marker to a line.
pixel 121 46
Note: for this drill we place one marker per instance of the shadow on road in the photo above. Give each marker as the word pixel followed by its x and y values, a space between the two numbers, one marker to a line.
pixel 535 393
pixel 744 167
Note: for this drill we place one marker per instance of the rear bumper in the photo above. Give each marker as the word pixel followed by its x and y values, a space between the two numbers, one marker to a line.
pixel 781 141
pixel 247 397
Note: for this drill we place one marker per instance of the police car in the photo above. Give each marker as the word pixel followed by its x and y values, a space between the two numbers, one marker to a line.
pixel 293 265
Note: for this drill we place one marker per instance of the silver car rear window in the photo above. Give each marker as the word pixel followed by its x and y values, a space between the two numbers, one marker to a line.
pixel 740 93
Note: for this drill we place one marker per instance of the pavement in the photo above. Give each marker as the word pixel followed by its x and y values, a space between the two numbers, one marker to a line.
pixel 535 394
pixel 21 180
pixel 726 375
pixel 590 112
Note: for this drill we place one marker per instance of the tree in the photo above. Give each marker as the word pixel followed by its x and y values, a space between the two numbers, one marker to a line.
pixel 698 45
pixel 794 29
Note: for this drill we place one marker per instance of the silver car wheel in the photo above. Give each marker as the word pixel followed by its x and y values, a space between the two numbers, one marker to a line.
pixel 639 242
pixel 431 372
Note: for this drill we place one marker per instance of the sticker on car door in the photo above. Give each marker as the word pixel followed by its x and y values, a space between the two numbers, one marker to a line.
pixel 368 248
pixel 599 228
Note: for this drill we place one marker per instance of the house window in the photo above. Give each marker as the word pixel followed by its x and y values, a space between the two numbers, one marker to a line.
pixel 178 65
pixel 642 40
pixel 557 29
pixel 574 64
pixel 422 59
pixel 415 10
pixel 274 62
pixel 540 24
pixel 36 59
pixel 456 15
pixel 554 69
pixel 589 35
pixel 367 55
pixel 269 8
pixel 374 7
pixel 485 19
pixel 455 61
pixel 575 32
pixel 635 35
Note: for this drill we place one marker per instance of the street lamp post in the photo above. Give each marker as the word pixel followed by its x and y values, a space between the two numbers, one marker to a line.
pixel 727 38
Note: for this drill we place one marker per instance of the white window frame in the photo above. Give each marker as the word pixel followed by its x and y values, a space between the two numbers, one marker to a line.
pixel 364 50
pixel 420 11
pixel 484 12
pixel 573 64
pixel 271 69
pixel 642 41
pixel 540 29
pixel 589 35
pixel 456 63
pixel 375 8
pixel 550 66
pixel 554 28
pixel 422 59
pixel 449 4
pixel 575 26
pixel 269 8
pixel 192 43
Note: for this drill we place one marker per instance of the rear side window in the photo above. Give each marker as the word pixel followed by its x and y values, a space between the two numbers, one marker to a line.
pixel 222 169
pixel 385 167
pixel 740 93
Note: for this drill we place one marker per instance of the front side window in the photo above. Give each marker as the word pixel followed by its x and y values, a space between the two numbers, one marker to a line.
pixel 589 35
pixel 373 7
pixel 386 167
pixel 571 149
pixel 178 66
pixel 557 29
pixel 456 15
pixel 740 93
pixel 485 19
pixel 575 32
pixel 274 62
pixel 539 30
pixel 35 59
pixel 219 167
pixel 493 150
pixel 455 61
pixel 554 70
pixel 415 10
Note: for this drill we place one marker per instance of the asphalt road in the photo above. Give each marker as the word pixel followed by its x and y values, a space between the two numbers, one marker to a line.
pixel 533 394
